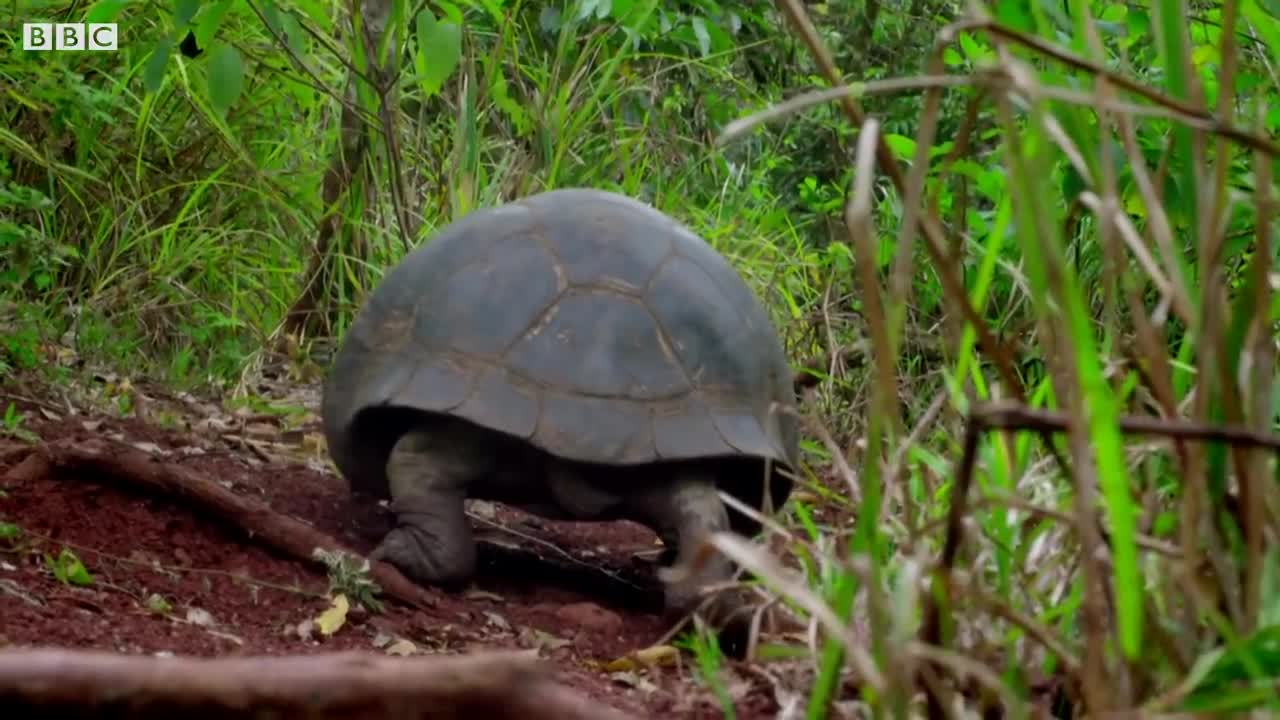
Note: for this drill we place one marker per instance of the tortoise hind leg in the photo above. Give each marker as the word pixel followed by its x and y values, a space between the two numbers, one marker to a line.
pixel 429 473
pixel 684 513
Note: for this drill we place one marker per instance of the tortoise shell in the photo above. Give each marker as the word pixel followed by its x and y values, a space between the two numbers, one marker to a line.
pixel 583 322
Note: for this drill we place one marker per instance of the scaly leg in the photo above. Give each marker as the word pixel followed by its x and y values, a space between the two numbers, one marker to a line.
pixel 684 513
pixel 430 472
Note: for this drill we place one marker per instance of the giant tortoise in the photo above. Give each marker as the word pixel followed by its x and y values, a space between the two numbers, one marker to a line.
pixel 577 354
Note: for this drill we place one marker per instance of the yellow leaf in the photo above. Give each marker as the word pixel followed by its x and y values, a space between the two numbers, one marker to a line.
pixel 622 664
pixel 806 497
pixel 653 655
pixel 657 655
pixel 331 620
pixel 313 442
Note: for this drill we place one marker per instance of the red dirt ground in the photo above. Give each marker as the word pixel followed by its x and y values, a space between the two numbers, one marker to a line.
pixel 228 595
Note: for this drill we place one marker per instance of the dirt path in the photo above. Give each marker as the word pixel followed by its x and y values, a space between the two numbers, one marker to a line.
pixel 167 580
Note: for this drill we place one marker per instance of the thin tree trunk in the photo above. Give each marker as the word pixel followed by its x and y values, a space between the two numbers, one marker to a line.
pixel 313 312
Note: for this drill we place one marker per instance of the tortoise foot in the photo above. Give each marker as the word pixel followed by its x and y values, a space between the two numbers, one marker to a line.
pixel 426 558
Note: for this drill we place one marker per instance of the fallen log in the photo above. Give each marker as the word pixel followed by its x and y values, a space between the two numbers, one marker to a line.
pixel 349 685
pixel 281 532
pixel 99 458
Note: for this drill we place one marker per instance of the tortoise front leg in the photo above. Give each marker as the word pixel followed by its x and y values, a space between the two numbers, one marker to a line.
pixel 429 473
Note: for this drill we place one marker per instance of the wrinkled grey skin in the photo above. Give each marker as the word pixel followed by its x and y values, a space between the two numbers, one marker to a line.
pixel 577 354
pixel 443 462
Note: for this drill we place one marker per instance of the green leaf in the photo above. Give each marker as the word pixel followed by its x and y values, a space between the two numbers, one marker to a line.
pixel 599 8
pixel 621 8
pixel 317 11
pixel 271 14
pixel 975 51
pixel 210 21
pixel 105 11
pixel 1264 18
pixel 292 32
pixel 635 15
pixel 183 12
pixel 1269 613
pixel 68 569
pixel 439 50
pixel 1138 22
pixel 700 32
pixel 153 73
pixel 901 145
pixel 1238 676
pixel 449 11
pixel 549 19
pixel 514 110
pixel 494 8
pixel 1015 14
pixel 886 250
pixel 841 256
pixel 226 78
pixel 1114 13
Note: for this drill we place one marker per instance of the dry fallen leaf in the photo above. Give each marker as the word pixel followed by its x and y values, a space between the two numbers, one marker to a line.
pixel 225 636
pixel 806 497
pixel 482 509
pixel 539 641
pixel 332 620
pixel 652 655
pixel 631 679
pixel 211 425
pixel 204 619
pixel 496 620
pixel 261 430
pixel 314 442
pixel 483 595
pixel 305 628
pixel 197 616
pixel 403 648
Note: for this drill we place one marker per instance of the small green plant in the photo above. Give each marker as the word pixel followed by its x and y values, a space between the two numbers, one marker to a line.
pixel 349 576
pixel 13 424
pixel 68 569
pixel 10 533
pixel 158 604
pixel 12 418
pixel 705 647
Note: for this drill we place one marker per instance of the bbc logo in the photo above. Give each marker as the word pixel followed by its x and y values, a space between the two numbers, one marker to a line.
pixel 69 36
